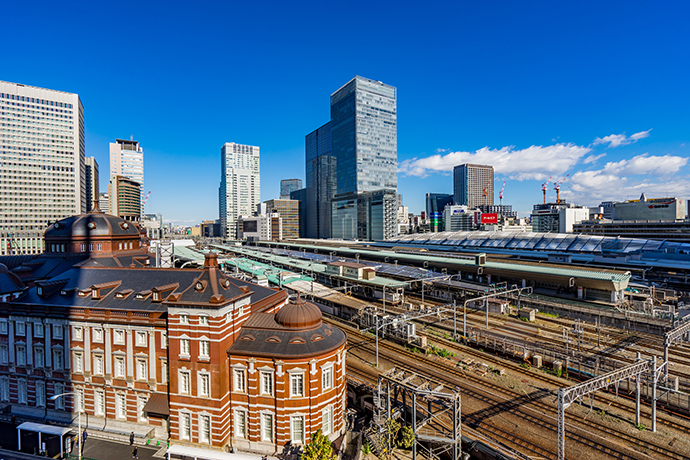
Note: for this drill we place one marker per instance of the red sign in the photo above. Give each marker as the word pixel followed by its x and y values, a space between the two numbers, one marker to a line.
pixel 489 218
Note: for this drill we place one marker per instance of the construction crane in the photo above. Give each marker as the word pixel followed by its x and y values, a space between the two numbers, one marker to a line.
pixel 145 199
pixel 557 187
pixel 544 186
pixel 500 195
pixel 486 193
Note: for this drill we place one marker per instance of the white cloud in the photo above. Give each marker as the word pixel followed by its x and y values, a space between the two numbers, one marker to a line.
pixel 616 140
pixel 535 162
pixel 648 165
pixel 593 158
pixel 628 179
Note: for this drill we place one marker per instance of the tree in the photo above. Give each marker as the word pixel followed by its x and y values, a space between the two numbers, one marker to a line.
pixel 319 448
pixel 407 437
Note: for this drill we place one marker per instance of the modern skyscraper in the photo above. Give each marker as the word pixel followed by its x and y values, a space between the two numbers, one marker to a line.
pixel 473 185
pixel 435 202
pixel 288 186
pixel 240 186
pixel 364 137
pixel 91 180
pixel 321 182
pixel 364 143
pixel 127 159
pixel 41 163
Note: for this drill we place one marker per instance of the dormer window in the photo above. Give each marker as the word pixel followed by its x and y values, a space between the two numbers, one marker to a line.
pixel 94 293
pixel 156 296
pixel 39 290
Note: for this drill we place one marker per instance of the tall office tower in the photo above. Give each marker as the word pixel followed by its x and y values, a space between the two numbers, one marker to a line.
pixel 41 164
pixel 435 202
pixel 364 137
pixel 125 198
pixel 288 186
pixel 91 180
pixel 127 159
pixel 473 185
pixel 240 186
pixel 321 182
pixel 301 197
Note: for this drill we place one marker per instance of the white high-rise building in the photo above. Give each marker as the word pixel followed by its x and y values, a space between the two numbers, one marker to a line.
pixel 240 187
pixel 127 159
pixel 41 163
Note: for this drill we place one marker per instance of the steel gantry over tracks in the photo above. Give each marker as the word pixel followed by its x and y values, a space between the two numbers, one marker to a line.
pixel 566 396
pixel 433 411
pixel 673 337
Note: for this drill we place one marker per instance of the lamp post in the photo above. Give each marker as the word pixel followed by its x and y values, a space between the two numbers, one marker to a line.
pixel 79 435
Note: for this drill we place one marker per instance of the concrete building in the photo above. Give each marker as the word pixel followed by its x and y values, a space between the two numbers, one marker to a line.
pixel 127 159
pixel 473 185
pixel 669 230
pixel 289 214
pixel 288 186
pixel 458 218
pixel 264 227
pixel 650 209
pixel 210 229
pixel 153 225
pixel 42 160
pixel 188 357
pixel 91 181
pixel 104 202
pixel 240 185
pixel 557 218
pixel 320 167
pixel 125 198
pixel 435 203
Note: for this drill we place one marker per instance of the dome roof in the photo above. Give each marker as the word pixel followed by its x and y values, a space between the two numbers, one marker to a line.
pixel 93 224
pixel 299 314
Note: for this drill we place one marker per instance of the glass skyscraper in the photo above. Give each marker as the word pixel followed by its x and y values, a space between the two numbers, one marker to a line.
pixel 364 136
pixel 364 144
pixel 287 186
pixel 321 182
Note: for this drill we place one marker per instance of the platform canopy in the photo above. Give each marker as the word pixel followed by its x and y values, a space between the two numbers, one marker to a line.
pixel 207 454
pixel 45 429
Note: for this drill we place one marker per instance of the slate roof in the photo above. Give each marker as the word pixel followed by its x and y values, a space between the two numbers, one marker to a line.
pixel 262 336
pixel 103 225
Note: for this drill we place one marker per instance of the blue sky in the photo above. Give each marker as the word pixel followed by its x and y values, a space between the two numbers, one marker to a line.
pixel 596 90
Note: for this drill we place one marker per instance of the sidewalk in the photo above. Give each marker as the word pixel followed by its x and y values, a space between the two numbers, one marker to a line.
pixel 98 445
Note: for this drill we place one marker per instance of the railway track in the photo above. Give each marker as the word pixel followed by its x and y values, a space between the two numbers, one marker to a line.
pixel 501 399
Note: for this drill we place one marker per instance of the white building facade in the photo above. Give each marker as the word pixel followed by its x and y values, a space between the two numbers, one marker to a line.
pixel 240 186
pixel 127 159
pixel 41 163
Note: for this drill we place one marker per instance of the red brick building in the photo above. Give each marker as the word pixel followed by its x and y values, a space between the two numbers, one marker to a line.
pixel 190 356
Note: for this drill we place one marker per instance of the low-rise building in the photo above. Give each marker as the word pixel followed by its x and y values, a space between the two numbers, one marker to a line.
pixel 557 217
pixel 265 227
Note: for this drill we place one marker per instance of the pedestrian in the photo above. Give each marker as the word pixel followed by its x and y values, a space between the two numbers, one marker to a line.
pixel 135 453
pixel 83 437
pixel 131 439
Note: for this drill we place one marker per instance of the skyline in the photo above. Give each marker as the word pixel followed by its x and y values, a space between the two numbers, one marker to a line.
pixel 593 92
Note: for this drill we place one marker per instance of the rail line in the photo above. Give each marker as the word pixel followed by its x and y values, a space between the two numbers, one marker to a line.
pixel 514 402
